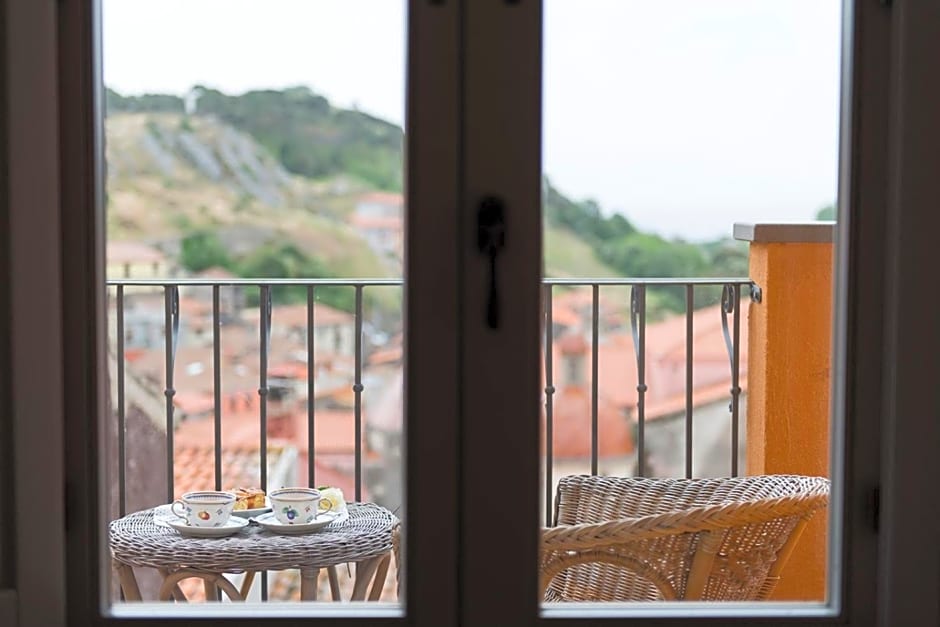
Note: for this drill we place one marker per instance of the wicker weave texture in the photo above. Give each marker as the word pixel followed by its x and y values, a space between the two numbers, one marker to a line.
pixel 644 539
pixel 138 540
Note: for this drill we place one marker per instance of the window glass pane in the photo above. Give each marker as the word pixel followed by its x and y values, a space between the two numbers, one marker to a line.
pixel 687 344
pixel 254 263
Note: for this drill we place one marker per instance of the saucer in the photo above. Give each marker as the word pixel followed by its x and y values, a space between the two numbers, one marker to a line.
pixel 251 513
pixel 232 525
pixel 270 522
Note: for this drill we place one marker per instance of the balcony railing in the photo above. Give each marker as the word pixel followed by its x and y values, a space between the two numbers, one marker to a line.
pixel 122 289
pixel 730 306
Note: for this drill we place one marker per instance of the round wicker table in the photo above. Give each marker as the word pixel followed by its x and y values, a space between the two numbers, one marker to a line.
pixel 367 538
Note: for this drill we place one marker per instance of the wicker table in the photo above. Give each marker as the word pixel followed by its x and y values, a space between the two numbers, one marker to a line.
pixel 367 538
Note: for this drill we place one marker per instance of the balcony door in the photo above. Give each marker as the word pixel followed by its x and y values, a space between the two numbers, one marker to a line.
pixel 473 265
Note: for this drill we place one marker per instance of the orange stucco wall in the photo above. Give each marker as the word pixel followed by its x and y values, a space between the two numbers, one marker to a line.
pixel 788 387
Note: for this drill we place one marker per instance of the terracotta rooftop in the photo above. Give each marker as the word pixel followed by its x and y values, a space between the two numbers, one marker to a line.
pixel 194 466
pixel 383 198
pixel 295 316
pixel 384 223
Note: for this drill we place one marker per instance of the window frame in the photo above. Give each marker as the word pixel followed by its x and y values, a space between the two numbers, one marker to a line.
pixel 500 43
pixel 52 263
pixel 431 183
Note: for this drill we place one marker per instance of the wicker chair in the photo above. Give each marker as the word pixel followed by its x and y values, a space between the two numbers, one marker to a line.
pixel 636 539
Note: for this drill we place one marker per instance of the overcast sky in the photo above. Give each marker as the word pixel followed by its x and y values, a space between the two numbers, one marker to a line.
pixel 685 115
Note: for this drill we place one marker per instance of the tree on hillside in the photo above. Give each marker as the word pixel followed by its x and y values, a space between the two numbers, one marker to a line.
pixel 285 261
pixel 156 103
pixel 202 250
pixel 826 213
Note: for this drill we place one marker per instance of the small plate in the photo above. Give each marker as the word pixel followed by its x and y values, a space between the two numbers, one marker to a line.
pixel 251 513
pixel 270 522
pixel 232 525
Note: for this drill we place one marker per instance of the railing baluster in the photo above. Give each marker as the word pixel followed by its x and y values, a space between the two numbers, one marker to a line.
pixel 217 385
pixel 595 319
pixel 311 373
pixel 638 328
pixel 689 309
pixel 121 410
pixel 357 389
pixel 549 391
pixel 171 329
pixel 265 340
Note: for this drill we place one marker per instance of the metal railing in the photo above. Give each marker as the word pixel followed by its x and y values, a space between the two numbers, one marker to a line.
pixel 730 308
pixel 731 289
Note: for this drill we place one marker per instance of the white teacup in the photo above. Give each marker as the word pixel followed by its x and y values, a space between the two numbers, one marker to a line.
pixel 205 509
pixel 296 506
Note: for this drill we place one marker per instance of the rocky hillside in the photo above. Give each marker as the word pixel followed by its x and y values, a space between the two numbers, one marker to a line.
pixel 170 175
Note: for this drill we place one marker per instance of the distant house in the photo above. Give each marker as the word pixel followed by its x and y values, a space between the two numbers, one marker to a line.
pixel 572 417
pixel 378 218
pixel 231 297
pixel 134 260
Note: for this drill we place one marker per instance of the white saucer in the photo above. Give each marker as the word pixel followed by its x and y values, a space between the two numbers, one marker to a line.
pixel 251 513
pixel 232 525
pixel 270 522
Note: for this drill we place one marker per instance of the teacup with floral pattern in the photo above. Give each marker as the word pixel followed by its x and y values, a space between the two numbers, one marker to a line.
pixel 204 509
pixel 297 506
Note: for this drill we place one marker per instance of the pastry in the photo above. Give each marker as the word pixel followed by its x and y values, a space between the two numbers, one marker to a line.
pixel 249 498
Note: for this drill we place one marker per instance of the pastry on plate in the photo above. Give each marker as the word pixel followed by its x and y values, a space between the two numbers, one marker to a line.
pixel 248 498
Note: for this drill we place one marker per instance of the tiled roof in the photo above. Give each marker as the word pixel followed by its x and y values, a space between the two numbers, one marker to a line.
pixel 382 198
pixel 194 466
pixel 617 379
pixel 295 316
pixel 378 223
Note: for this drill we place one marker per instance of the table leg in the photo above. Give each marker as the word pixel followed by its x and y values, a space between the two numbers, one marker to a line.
pixel 380 574
pixel 246 583
pixel 364 572
pixel 334 583
pixel 128 581
pixel 308 584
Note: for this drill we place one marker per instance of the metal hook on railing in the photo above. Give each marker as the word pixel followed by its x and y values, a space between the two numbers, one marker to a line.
pixel 174 294
pixel 727 307
pixel 730 303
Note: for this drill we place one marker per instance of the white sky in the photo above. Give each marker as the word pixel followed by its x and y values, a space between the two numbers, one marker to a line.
pixel 685 115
